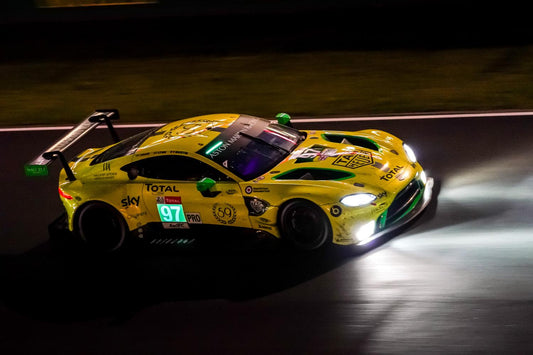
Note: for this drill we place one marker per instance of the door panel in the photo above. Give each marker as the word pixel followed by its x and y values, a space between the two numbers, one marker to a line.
pixel 179 205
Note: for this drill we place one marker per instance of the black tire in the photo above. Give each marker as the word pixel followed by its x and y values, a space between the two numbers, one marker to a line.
pixel 101 226
pixel 304 224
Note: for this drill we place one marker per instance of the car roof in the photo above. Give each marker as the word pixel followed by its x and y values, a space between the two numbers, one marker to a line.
pixel 188 135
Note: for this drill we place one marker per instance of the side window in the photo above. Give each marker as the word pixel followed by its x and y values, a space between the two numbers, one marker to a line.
pixel 174 167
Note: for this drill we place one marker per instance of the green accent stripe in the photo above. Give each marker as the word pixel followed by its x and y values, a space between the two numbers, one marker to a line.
pixel 382 220
pixel 348 176
pixel 214 147
pixel 411 207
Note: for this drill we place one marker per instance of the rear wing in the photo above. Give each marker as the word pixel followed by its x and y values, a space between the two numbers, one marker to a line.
pixel 39 165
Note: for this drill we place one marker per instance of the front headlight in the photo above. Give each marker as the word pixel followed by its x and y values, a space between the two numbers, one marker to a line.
pixel 410 153
pixel 423 177
pixel 357 200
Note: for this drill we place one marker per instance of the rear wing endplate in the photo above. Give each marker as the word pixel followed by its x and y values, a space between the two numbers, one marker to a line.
pixel 39 165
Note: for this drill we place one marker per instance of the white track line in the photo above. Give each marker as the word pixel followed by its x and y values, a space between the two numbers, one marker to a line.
pixel 418 117
pixel 307 120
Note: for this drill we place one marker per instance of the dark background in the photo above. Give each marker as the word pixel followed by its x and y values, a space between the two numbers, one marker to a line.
pixel 219 27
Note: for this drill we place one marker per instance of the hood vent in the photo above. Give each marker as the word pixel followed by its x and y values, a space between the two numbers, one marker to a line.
pixel 314 174
pixel 352 140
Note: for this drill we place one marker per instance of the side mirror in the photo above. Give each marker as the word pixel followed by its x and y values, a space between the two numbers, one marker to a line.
pixel 205 186
pixel 133 173
pixel 284 119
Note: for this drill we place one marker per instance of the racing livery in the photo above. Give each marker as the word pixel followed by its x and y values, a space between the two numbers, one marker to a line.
pixel 311 188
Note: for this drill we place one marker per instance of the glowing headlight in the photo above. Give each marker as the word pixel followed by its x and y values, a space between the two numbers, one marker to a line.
pixel 423 177
pixel 410 153
pixel 357 200
pixel 364 233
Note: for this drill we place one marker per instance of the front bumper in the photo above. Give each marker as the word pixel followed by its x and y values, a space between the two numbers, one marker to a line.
pixel 361 226
pixel 385 228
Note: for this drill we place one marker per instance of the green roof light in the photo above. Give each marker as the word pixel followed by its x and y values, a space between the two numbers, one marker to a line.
pixel 213 148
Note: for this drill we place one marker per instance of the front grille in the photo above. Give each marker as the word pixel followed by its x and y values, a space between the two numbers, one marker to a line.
pixel 403 201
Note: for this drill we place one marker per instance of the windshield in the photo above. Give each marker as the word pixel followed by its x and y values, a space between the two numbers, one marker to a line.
pixel 252 146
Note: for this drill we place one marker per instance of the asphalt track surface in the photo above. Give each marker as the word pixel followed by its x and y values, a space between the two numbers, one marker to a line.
pixel 457 280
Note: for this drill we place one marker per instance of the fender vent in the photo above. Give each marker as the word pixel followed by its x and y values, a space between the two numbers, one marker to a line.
pixel 353 140
pixel 314 174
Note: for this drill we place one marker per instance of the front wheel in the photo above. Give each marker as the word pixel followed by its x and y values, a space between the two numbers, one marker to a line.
pixel 304 224
pixel 101 226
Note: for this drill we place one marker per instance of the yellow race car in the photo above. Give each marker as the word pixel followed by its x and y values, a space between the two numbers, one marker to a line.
pixel 311 188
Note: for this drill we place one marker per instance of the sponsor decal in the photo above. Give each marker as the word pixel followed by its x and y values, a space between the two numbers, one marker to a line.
pixel 391 173
pixel 250 189
pixel 175 200
pixel 106 167
pixel 189 129
pixel 194 218
pixel 354 161
pixel 224 213
pixel 141 154
pixel 130 201
pixel 335 211
pixel 105 176
pixel 161 188
pixel 381 195
pixel 177 225
pixel 309 154
pixel 134 214
pixel 171 211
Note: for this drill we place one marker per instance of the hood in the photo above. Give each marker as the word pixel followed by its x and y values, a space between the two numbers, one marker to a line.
pixel 360 158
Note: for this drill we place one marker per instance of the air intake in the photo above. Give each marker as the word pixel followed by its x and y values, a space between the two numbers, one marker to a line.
pixel 352 140
pixel 314 174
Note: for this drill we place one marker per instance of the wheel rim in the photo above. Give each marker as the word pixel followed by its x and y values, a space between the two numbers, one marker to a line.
pixel 101 228
pixel 305 224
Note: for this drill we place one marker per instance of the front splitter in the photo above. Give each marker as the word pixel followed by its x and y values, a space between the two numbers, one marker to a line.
pixel 426 199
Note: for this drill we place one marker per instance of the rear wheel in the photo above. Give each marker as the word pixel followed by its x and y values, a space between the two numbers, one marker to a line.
pixel 304 224
pixel 101 226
